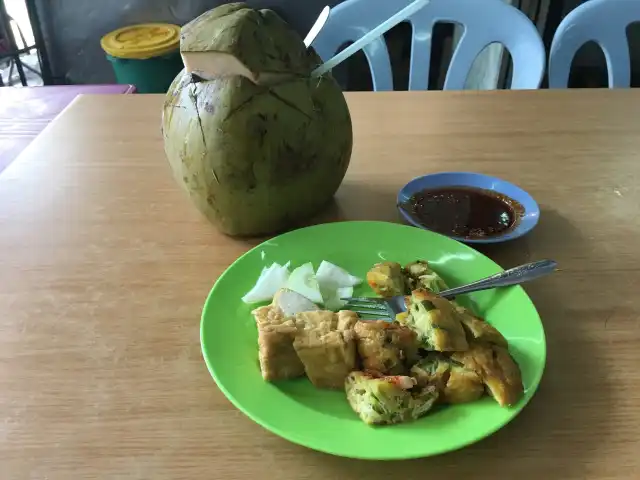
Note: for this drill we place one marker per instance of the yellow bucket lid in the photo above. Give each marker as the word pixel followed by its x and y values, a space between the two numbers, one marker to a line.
pixel 142 41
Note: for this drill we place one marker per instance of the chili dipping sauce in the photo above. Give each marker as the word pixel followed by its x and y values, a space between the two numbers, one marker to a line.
pixel 465 212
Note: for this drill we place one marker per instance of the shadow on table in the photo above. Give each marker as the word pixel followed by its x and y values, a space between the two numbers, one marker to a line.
pixel 553 434
pixel 357 201
pixel 553 236
pixel 354 201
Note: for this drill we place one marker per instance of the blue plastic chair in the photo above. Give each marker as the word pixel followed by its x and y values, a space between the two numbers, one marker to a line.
pixel 604 22
pixel 484 22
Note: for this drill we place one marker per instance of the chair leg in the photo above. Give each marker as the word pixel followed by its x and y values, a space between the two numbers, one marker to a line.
pixel 24 40
pixel 41 48
pixel 11 64
pixel 32 70
pixel 6 27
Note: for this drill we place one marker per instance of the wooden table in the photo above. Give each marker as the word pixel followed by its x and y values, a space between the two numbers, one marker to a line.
pixel 26 111
pixel 104 267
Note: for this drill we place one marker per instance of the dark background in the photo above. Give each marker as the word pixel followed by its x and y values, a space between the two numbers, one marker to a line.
pixel 72 31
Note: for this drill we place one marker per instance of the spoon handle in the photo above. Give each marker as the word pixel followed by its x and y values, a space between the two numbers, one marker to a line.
pixel 513 276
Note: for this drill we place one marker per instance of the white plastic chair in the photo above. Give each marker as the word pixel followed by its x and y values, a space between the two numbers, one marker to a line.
pixel 604 22
pixel 484 22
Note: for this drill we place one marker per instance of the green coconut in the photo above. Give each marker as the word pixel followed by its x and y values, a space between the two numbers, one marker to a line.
pixel 258 143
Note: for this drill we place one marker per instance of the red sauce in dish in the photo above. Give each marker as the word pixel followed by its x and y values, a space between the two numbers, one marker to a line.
pixel 465 212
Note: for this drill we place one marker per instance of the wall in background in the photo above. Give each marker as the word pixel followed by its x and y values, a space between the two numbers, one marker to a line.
pixel 73 28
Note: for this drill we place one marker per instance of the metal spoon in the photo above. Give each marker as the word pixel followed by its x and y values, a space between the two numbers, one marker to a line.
pixel 315 29
pixel 513 276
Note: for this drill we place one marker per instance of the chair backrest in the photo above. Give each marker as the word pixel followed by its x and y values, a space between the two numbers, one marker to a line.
pixel 604 22
pixel 484 22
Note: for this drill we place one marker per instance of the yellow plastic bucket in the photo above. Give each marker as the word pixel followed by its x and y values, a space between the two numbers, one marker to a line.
pixel 145 55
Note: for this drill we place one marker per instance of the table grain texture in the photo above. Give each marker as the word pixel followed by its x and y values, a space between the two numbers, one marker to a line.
pixel 105 265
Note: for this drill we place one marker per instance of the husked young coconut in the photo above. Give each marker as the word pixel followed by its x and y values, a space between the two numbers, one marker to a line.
pixel 257 143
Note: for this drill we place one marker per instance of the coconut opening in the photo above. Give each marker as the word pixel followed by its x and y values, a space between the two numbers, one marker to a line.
pixel 211 65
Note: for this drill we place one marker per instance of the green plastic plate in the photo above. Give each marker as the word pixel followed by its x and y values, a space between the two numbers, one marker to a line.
pixel 322 419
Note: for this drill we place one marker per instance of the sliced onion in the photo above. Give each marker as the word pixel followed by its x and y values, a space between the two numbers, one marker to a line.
pixel 303 280
pixel 335 277
pixel 269 282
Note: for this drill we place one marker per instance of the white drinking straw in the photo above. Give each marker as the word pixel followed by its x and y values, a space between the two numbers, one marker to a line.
pixel 402 15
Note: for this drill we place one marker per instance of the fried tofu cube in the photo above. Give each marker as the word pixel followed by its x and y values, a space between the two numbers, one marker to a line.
pixel 320 321
pixel 278 357
pixel 325 344
pixel 385 347
pixel 347 319
pixel 276 332
pixel 319 343
pixel 327 357
pixel 268 315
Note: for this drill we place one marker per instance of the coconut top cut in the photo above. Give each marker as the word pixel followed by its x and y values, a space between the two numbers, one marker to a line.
pixel 235 39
